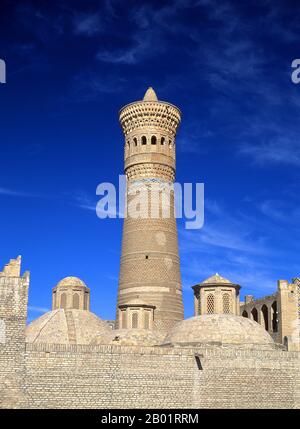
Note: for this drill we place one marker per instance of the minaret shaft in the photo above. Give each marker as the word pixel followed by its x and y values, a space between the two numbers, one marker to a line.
pixel 150 266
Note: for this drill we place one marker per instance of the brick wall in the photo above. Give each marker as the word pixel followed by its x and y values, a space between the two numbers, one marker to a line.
pixel 13 314
pixel 60 376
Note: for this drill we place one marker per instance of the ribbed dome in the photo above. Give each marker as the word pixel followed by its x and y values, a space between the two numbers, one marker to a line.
pixel 71 281
pixel 219 329
pixel 216 279
pixel 67 327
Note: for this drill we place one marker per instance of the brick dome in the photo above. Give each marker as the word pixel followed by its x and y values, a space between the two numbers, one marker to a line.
pixel 67 327
pixel 216 279
pixel 71 281
pixel 219 329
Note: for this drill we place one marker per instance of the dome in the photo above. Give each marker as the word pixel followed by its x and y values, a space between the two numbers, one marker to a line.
pixel 71 281
pixel 133 337
pixel 219 329
pixel 216 279
pixel 67 327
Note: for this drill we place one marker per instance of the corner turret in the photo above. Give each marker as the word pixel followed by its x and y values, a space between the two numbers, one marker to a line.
pixel 13 315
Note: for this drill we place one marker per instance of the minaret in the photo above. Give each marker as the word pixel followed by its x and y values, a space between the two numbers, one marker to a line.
pixel 150 281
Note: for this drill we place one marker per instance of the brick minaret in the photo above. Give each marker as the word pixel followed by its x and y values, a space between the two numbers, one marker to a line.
pixel 150 281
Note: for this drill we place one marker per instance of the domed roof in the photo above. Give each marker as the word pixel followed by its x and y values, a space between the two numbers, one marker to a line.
pixel 216 279
pixel 71 281
pixel 67 327
pixel 150 95
pixel 219 329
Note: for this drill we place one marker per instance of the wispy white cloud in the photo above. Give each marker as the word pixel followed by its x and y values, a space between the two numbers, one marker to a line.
pixel 89 85
pixel 150 26
pixel 86 202
pixel 43 25
pixel 225 230
pixel 284 211
pixel 87 24
pixel 272 209
pixel 38 309
pixel 279 151
pixel 222 235
pixel 83 200
pixel 14 193
pixel 140 47
pixel 193 138
pixel 53 23
pixel 231 244
pixel 255 279
pixel 213 207
pixel 78 199
pixel 274 19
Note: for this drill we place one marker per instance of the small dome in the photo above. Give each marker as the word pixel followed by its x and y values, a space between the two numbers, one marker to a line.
pixel 216 279
pixel 71 281
pixel 67 327
pixel 219 329
pixel 150 95
pixel 133 337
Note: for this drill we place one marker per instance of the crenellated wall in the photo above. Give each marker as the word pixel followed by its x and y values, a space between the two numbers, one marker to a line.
pixel 277 313
pixel 13 315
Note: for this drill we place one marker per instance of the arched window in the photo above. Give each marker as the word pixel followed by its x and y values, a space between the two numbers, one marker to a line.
pixel 274 317
pixel 76 301
pixel 134 321
pixel 135 141
pixel 124 320
pixel 254 314
pixel 54 300
pixel 147 320
pixel 85 304
pixel 153 140
pixel 226 303
pixel 144 140
pixel 170 142
pixel 245 314
pixel 162 140
pixel 210 304
pixel 63 300
pixel 264 311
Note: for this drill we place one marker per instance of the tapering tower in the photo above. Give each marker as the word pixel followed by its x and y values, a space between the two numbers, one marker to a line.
pixel 150 268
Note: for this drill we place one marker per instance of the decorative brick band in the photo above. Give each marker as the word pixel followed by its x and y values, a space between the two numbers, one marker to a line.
pixel 158 114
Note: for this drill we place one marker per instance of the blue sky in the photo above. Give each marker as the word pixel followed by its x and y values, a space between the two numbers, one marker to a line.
pixel 72 65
